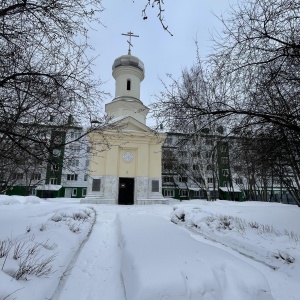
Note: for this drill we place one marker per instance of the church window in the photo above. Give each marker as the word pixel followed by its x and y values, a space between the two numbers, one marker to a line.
pixel 155 186
pixel 96 185
pixel 128 84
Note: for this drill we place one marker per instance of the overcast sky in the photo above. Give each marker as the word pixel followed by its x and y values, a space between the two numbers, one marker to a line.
pixel 160 52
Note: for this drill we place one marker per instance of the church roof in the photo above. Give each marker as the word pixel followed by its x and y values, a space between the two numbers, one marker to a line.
pixel 128 60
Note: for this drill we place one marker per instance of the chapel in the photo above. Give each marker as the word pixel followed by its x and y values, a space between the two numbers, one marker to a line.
pixel 129 170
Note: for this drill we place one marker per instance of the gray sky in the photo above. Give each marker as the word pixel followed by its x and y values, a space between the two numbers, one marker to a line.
pixel 160 52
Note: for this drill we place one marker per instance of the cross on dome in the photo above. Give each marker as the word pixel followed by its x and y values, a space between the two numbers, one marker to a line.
pixel 130 34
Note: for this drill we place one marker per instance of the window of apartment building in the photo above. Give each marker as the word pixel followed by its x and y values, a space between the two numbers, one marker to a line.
pixel 83 192
pixel 167 165
pixel 184 166
pixel 86 176
pixel 17 176
pixel 75 148
pixel 88 149
pixel 169 140
pixel 183 193
pixel 57 139
pixel 168 179
pixel 197 194
pixel 237 168
pixel 224 160
pixel 155 186
pixel 196 154
pixel 74 192
pixel 277 181
pixel 53 180
pixel 37 162
pixel 36 176
pixel 87 163
pixel 225 172
pixel 169 193
pixel 195 167
pixel 183 179
pixel 54 167
pixel 72 177
pixel 96 184
pixel 74 163
pixel 239 180
pixel 223 148
pixel 209 142
pixel 198 179
pixel 182 153
pixel 210 180
pixel 75 135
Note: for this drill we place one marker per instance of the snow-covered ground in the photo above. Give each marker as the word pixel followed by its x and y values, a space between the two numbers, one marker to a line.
pixel 60 249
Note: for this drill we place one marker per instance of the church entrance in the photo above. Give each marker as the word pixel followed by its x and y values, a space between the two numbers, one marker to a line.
pixel 126 191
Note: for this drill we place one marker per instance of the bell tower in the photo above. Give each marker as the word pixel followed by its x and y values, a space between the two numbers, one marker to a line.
pixel 129 72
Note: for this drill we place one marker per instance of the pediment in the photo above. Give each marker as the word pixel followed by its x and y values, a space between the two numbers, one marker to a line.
pixel 131 124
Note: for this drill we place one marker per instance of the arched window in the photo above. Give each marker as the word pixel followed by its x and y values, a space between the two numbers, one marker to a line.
pixel 128 85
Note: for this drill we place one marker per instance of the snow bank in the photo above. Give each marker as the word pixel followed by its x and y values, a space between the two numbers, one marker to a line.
pixel 162 261
pixel 276 247
pixel 9 200
pixel 33 263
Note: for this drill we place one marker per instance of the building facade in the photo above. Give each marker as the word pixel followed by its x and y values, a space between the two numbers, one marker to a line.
pixel 65 174
pixel 125 164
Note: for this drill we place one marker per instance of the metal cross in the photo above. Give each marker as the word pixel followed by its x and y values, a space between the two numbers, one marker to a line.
pixel 130 34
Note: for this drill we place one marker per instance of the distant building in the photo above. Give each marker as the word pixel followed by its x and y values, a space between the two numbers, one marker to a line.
pixel 64 175
pixel 206 166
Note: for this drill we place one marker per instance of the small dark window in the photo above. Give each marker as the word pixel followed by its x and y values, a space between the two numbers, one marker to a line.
pixel 128 85
pixel 155 186
pixel 96 185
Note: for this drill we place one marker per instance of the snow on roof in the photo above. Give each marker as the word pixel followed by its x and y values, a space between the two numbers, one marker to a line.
pixel 235 188
pixel 48 187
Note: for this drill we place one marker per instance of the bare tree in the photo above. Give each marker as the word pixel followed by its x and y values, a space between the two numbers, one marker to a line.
pixel 160 7
pixel 250 84
pixel 45 78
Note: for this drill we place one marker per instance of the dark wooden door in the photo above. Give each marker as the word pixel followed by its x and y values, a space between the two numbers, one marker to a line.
pixel 126 191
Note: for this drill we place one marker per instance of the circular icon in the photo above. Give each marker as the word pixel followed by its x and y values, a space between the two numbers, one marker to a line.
pixel 128 157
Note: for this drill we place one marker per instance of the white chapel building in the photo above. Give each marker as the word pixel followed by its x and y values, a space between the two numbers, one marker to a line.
pixel 129 170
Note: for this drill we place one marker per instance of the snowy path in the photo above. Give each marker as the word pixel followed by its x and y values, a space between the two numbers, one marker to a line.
pixel 96 272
